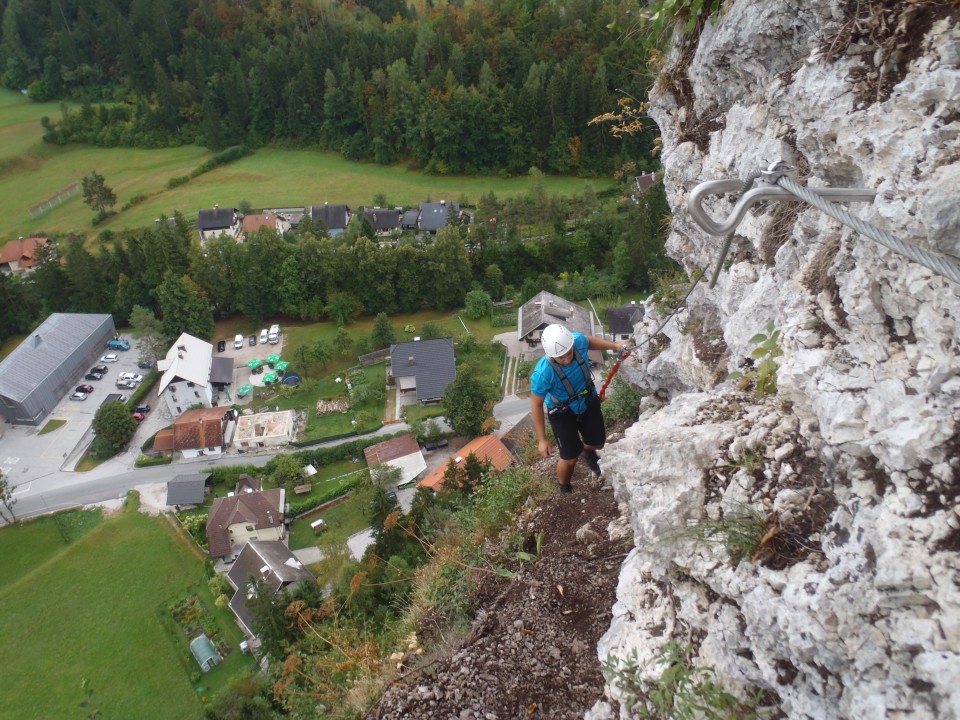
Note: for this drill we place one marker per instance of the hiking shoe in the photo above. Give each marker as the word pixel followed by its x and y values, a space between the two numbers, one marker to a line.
pixel 565 488
pixel 592 461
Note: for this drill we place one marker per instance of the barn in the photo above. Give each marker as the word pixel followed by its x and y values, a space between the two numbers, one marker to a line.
pixel 35 377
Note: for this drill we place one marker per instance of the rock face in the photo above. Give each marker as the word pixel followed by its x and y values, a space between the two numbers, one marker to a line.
pixel 851 606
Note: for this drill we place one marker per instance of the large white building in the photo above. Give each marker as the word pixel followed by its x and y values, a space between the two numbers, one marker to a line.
pixel 191 374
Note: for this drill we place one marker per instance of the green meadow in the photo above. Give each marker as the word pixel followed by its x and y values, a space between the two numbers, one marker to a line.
pixel 31 171
pixel 84 609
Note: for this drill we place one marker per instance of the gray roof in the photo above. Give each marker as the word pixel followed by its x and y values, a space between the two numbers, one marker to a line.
pixel 433 216
pixel 187 489
pixel 270 561
pixel 333 217
pixel 409 219
pixel 218 219
pixel 221 370
pixel 383 219
pixel 547 308
pixel 44 350
pixel 620 321
pixel 431 362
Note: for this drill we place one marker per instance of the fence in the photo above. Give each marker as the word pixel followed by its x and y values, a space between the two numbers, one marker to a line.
pixel 374 357
pixel 58 198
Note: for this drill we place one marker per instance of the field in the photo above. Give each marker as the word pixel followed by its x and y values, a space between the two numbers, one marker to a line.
pixel 94 610
pixel 31 171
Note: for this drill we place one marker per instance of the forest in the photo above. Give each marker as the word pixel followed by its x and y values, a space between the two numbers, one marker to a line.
pixel 577 247
pixel 488 86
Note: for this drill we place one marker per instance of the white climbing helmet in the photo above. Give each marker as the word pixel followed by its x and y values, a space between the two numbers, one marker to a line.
pixel 556 340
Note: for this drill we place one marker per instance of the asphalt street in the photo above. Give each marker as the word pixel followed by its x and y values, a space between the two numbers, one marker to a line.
pixel 40 468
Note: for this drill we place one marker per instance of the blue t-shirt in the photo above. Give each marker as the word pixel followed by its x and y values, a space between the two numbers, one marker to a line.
pixel 545 382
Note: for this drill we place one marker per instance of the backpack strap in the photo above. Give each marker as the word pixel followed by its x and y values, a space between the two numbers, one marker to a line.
pixel 588 390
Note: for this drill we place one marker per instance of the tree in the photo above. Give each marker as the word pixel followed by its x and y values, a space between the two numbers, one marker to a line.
pixel 96 194
pixel 382 335
pixel 341 307
pixel 184 308
pixel 149 332
pixel 286 472
pixel 322 352
pixel 114 423
pixel 467 406
pixel 478 304
pixel 6 497
pixel 342 341
pixel 493 281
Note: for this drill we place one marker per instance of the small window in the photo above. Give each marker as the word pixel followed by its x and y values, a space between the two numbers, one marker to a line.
pixel 196 393
pixel 249 528
pixel 179 411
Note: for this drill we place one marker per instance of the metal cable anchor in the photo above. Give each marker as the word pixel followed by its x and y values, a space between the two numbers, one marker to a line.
pixel 768 191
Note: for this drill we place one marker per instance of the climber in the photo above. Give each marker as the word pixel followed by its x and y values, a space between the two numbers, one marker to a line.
pixel 563 379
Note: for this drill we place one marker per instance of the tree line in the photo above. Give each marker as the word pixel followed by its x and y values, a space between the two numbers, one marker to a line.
pixel 578 247
pixel 453 88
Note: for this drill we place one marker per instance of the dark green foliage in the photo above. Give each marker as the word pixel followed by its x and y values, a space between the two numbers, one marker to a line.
pixel 623 402
pixel 452 91
pixel 114 424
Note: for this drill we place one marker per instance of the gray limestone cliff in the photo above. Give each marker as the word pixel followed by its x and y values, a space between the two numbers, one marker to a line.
pixel 851 607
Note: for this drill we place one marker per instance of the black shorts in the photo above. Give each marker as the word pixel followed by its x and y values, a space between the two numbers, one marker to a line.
pixel 574 431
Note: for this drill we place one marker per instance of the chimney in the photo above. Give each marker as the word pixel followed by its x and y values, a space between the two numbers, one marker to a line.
pixel 410 360
pixel 37 340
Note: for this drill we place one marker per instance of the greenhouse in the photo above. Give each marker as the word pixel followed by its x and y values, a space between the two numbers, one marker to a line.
pixel 204 651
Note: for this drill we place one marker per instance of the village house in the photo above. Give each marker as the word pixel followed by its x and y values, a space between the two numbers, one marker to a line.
pixel 191 374
pixel 219 221
pixel 243 516
pixel 19 257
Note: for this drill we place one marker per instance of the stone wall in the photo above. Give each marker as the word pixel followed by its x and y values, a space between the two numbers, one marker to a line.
pixel 851 608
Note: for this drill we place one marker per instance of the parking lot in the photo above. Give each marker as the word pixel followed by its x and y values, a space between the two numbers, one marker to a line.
pixel 25 454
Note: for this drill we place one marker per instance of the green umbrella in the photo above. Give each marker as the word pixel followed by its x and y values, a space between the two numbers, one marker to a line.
pixel 244 390
pixel 255 363
pixel 282 365
pixel 270 378
pixel 271 359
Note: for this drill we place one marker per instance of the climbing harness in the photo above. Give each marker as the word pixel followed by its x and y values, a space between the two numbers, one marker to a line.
pixel 624 354
pixel 779 184
pixel 588 390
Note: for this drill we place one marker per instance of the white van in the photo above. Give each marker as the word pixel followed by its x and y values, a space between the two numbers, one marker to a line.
pixel 274 335
pixel 238 342
pixel 263 336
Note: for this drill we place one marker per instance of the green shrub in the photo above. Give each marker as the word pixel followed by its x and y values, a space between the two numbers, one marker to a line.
pixel 150 461
pixel 177 181
pixel 623 403
pixel 683 690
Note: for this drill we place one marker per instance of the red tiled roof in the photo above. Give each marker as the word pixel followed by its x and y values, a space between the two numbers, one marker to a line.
pixel 261 509
pixel 488 447
pixel 252 223
pixel 163 441
pixel 200 428
pixel 392 449
pixel 22 251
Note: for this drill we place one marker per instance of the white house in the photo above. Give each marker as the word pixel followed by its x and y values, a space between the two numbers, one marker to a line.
pixel 186 375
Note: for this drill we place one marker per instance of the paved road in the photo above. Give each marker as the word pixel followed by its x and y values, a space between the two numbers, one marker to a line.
pixel 49 490
pixel 40 468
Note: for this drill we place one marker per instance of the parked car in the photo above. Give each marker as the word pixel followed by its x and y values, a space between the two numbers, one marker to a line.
pixel 110 357
pixel 221 346
pixel 101 369
pixel 238 342
pixel 146 364
pixel 78 396
pixel 137 416
pixel 84 388
pixel 253 340
pixel 263 336
pixel 143 409
pixel 274 334
pixel 126 384
pixel 118 345
pixel 134 377
pixel 93 376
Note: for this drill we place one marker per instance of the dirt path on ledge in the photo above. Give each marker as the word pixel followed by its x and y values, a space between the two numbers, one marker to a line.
pixel 532 650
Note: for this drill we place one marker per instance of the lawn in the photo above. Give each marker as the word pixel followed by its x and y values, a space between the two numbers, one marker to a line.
pixel 31 170
pixel 93 611
pixel 343 520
